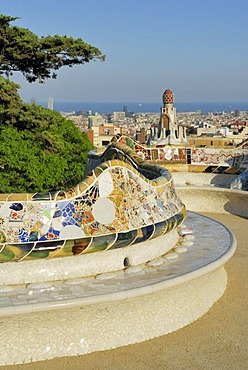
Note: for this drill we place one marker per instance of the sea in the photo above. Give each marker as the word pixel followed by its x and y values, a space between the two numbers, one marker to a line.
pixel 139 107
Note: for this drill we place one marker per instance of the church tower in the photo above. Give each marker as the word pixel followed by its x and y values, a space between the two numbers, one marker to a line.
pixel 169 132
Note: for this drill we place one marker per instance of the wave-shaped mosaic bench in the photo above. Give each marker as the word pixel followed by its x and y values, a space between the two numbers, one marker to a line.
pixel 121 202
pixel 127 212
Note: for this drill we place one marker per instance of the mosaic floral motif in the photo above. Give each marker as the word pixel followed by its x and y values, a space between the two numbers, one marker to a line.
pixel 118 207
pixel 236 157
pixel 216 156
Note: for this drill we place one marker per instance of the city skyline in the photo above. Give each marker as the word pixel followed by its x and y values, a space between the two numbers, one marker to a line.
pixel 197 49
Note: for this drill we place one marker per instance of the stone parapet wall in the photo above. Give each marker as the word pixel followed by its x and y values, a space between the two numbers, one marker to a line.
pixel 214 200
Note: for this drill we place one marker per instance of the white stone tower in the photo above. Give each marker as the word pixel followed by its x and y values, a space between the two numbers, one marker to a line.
pixel 169 132
pixel 50 103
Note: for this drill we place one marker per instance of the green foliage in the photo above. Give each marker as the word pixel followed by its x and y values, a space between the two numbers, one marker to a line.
pixel 40 150
pixel 38 57
pixel 9 97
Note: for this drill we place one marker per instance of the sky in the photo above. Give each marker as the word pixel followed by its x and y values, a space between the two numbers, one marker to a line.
pixel 197 48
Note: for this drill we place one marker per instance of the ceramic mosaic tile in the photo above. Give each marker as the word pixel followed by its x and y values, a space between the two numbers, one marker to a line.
pixel 126 201
pixel 236 157
pixel 209 242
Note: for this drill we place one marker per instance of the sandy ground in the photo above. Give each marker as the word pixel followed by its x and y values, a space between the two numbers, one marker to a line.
pixel 218 340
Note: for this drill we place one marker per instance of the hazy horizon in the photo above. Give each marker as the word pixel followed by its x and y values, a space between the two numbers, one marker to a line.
pixel 142 102
pixel 148 107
